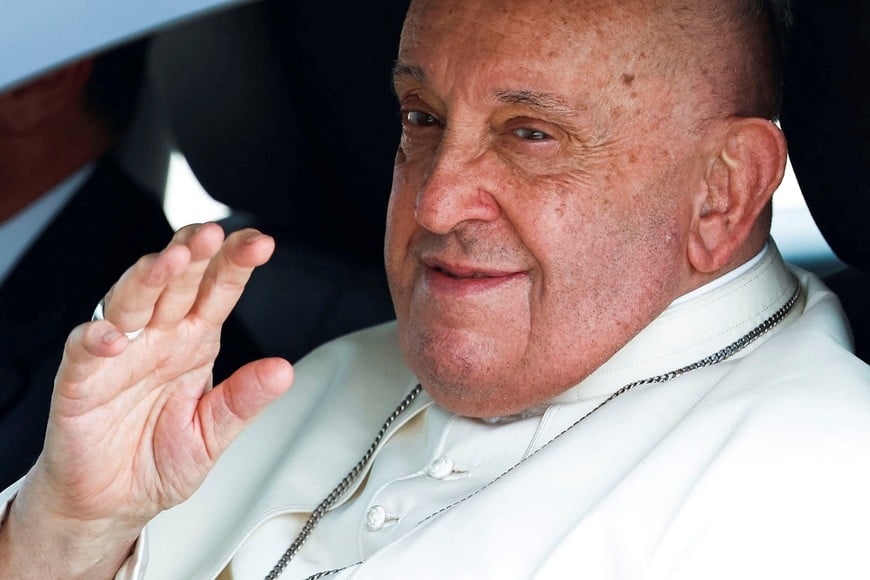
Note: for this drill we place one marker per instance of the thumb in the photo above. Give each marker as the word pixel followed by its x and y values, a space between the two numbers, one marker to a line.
pixel 228 408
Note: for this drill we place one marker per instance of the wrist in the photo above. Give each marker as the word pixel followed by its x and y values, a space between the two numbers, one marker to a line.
pixel 37 542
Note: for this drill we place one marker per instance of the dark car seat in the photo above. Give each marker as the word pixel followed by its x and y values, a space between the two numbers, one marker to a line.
pixel 285 113
pixel 826 117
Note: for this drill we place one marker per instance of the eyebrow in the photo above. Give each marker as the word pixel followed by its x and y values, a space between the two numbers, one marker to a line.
pixel 401 69
pixel 545 102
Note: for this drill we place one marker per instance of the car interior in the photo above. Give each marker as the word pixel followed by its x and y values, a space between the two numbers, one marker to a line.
pixel 284 113
pixel 826 118
pixel 296 135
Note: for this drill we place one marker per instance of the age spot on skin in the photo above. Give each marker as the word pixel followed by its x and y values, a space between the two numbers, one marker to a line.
pixel 627 78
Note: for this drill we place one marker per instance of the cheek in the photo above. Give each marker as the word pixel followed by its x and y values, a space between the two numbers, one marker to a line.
pixel 604 255
pixel 400 227
pixel 400 209
pixel 568 226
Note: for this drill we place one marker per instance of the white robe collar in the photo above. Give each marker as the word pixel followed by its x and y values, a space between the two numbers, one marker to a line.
pixel 695 327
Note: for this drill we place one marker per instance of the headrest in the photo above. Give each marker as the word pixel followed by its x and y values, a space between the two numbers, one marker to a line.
pixel 284 111
pixel 146 145
pixel 826 119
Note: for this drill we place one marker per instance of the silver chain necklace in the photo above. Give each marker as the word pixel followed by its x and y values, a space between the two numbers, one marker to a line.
pixel 352 475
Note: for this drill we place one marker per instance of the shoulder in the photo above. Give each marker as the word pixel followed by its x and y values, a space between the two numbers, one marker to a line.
pixel 794 411
pixel 807 361
pixel 784 481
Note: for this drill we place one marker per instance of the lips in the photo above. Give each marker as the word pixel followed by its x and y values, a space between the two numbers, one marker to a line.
pixel 457 279
pixel 458 276
pixel 461 272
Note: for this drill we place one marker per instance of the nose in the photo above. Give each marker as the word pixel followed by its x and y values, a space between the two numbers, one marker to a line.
pixel 459 188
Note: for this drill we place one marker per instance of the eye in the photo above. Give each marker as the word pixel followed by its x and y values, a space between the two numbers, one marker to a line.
pixel 531 134
pixel 421 119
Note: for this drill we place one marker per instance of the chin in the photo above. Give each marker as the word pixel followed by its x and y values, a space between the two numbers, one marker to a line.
pixel 468 403
pixel 462 387
pixel 471 372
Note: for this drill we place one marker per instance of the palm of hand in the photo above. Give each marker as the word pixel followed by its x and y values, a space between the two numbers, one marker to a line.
pixel 135 425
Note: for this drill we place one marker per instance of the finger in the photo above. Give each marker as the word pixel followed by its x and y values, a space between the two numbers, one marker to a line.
pixel 130 303
pixel 228 408
pixel 203 241
pixel 229 271
pixel 87 348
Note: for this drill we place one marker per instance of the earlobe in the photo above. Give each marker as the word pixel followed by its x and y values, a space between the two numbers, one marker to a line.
pixel 745 167
pixel 26 108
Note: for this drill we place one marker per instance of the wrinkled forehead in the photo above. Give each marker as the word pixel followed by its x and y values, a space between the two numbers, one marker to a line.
pixel 662 56
pixel 579 49
pixel 602 33
pixel 519 21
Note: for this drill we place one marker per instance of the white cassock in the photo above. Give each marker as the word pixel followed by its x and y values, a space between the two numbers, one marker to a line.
pixel 756 466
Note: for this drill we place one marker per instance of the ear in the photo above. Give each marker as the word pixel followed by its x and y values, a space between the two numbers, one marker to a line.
pixel 26 108
pixel 744 168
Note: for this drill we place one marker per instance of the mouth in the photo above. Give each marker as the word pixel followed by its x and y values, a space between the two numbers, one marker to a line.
pixel 463 279
pixel 465 271
pixel 460 276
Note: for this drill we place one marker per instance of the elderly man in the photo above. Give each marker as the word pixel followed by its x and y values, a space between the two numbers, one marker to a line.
pixel 601 366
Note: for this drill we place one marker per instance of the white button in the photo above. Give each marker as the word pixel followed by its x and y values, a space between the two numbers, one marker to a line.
pixel 441 468
pixel 376 517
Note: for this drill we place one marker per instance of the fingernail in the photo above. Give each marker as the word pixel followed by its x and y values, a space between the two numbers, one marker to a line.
pixel 110 336
pixel 254 237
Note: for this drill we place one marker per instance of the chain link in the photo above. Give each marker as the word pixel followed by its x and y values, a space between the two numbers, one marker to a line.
pixel 342 487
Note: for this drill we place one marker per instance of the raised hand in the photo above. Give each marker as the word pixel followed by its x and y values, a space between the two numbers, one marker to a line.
pixel 135 425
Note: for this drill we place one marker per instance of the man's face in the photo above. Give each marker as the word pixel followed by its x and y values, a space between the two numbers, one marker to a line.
pixel 541 196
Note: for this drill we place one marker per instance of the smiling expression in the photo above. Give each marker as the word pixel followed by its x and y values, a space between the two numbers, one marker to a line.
pixel 542 196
